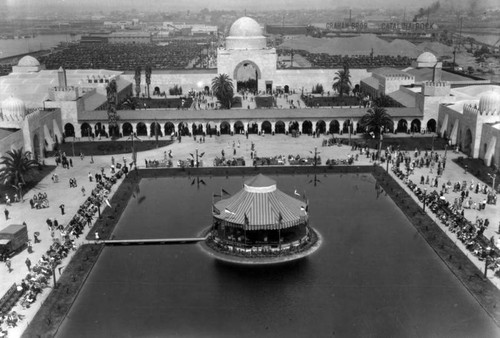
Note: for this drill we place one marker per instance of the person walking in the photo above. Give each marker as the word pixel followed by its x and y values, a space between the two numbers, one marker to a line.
pixel 62 209
pixel 6 212
pixel 28 263
pixel 35 236
pixel 83 191
pixel 8 264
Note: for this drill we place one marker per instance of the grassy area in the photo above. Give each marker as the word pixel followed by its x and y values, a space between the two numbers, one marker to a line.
pixel 155 103
pixel 476 167
pixel 109 147
pixel 31 181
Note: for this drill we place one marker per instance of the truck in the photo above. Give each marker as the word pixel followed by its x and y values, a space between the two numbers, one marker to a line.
pixel 13 239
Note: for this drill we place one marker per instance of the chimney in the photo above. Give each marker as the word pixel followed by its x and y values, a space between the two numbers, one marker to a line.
pixel 436 73
pixel 61 76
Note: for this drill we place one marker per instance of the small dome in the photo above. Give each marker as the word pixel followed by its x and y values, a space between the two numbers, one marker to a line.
pixel 489 101
pixel 245 26
pixel 13 109
pixel 426 57
pixel 28 61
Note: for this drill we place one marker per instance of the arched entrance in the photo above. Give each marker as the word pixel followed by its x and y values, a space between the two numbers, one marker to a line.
pixel 99 129
pixel 247 75
pixel 169 128
pixel 346 126
pixel 293 126
pixel 402 126
pixel 321 127
pixel 467 143
pixel 253 128
pixel 306 127
pixel 225 128
pixel 431 126
pixel 415 126
pixel 86 130
pixel 36 147
pixel 69 130
pixel 127 129
pixel 279 127
pixel 183 129
pixel 211 128
pixel 334 127
pixel 287 89
pixel 239 128
pixel 142 130
pixel 266 127
pixel 155 129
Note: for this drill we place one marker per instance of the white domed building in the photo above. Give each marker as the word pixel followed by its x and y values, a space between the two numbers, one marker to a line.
pixel 472 125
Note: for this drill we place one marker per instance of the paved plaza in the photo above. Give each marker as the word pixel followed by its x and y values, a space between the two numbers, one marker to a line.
pixel 60 193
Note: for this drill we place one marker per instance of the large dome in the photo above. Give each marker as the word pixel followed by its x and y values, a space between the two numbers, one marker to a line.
pixel 13 109
pixel 489 102
pixel 426 57
pixel 245 26
pixel 28 61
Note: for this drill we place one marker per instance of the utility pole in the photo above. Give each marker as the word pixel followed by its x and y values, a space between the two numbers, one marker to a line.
pixel 494 176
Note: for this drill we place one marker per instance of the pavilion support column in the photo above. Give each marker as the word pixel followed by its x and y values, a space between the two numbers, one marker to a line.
pixel 300 126
pixel 273 127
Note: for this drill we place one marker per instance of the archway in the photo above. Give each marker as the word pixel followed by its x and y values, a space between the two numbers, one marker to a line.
pixel 415 126
pixel 156 91
pixel 183 129
pixel 467 143
pixel 142 130
pixel 402 126
pixel 279 127
pixel 211 128
pixel 155 129
pixel 431 126
pixel 321 127
pixel 253 128
pixel 293 126
pixel 225 128
pixel 239 128
pixel 247 75
pixel 99 129
pixel 127 129
pixel 169 128
pixel 69 130
pixel 346 126
pixel 307 127
pixel 334 127
pixel 36 147
pixel 86 130
pixel 266 127
pixel 199 129
pixel 287 89
pixel 360 129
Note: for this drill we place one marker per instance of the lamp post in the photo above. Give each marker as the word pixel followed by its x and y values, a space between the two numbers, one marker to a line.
pixel 197 164
pixel 315 156
pixel 98 203
pixel 53 266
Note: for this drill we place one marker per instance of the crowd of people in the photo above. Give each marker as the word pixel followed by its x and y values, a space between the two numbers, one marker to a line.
pixel 40 273
pixel 176 55
pixel 434 194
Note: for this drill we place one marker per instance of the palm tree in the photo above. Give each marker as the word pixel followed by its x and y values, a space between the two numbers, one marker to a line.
pixel 16 167
pixel 376 120
pixel 111 91
pixel 223 88
pixel 342 81
pixel 148 77
pixel 137 78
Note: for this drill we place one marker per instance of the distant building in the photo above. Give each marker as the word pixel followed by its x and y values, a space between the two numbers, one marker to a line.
pixel 286 29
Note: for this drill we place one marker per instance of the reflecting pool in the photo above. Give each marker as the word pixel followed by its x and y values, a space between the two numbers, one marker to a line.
pixel 374 275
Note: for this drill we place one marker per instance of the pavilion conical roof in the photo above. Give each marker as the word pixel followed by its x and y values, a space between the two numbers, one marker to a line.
pixel 260 205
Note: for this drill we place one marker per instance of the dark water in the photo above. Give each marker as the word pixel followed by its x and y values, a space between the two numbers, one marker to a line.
pixel 373 276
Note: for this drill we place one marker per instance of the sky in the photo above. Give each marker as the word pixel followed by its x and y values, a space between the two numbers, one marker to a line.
pixel 240 5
